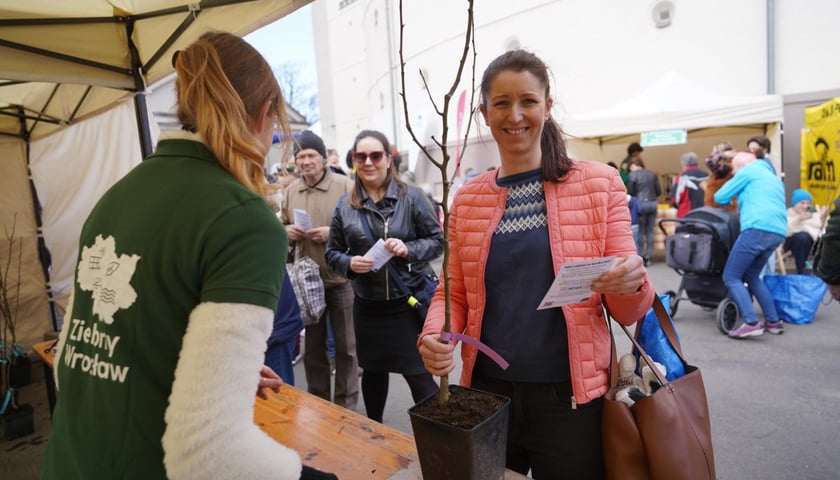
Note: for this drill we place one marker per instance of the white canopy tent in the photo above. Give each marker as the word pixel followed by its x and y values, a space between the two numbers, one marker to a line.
pixel 674 102
pixel 74 118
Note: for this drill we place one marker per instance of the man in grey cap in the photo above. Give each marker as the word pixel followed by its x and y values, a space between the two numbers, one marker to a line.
pixel 317 192
pixel 688 191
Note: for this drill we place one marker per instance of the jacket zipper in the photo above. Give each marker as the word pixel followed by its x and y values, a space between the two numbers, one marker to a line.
pixel 387 283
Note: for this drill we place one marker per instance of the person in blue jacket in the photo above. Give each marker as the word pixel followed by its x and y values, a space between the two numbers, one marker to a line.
pixel 763 214
pixel 287 326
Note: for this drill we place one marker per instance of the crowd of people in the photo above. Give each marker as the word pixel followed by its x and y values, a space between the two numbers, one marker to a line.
pixel 208 285
pixel 747 184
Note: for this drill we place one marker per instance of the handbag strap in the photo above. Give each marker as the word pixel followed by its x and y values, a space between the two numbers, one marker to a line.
pixel 396 277
pixel 667 328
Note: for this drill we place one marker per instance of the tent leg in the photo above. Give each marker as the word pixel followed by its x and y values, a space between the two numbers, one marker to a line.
pixel 43 252
pixel 142 112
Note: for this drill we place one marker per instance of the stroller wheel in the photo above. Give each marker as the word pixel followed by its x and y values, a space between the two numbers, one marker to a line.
pixel 674 302
pixel 727 315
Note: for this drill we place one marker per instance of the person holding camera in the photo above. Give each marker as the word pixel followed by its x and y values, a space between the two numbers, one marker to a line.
pixel 719 163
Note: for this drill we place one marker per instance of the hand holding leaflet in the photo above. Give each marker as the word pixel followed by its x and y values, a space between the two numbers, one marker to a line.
pixel 574 281
pixel 379 254
pixel 302 219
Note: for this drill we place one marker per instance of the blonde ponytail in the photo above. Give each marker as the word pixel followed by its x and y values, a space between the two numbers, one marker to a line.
pixel 222 84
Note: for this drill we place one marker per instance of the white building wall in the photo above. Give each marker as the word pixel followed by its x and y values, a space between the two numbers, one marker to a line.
pixel 807 45
pixel 600 52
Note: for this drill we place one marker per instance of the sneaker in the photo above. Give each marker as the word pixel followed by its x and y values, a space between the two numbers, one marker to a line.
pixel 776 328
pixel 747 330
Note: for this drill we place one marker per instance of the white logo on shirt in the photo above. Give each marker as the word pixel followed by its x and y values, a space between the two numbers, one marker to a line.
pixel 107 276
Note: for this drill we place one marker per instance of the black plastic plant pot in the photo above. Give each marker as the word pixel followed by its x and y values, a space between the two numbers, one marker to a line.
pixel 20 374
pixel 448 452
pixel 18 422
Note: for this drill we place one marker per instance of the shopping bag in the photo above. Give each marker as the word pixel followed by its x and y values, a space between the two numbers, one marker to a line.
pixel 796 297
pixel 305 276
pixel 656 344
pixel 664 436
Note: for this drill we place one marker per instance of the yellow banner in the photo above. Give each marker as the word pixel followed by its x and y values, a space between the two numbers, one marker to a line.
pixel 820 167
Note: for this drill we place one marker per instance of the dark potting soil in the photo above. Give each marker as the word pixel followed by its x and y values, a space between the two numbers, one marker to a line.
pixel 465 409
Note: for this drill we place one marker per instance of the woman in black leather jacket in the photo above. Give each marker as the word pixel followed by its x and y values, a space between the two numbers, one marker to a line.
pixel 386 325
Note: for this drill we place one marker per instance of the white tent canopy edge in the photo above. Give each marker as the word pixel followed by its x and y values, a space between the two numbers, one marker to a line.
pixel 674 102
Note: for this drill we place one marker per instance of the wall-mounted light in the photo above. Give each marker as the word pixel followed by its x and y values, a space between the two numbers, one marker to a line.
pixel 662 13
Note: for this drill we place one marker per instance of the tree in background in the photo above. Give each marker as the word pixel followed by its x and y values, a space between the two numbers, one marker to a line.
pixel 301 94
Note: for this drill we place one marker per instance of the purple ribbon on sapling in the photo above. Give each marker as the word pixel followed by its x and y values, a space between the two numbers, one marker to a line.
pixel 501 362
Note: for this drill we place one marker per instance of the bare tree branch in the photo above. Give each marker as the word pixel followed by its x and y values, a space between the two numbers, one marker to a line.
pixel 471 109
pixel 408 126
pixel 429 93
pixel 9 309
pixel 469 42
pixel 298 93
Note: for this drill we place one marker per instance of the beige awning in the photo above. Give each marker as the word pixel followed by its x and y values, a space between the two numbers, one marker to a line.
pixel 62 61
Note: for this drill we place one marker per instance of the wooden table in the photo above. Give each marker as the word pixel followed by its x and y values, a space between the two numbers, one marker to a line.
pixel 326 436
pixel 337 440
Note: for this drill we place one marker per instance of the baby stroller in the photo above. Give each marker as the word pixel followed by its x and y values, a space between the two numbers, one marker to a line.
pixel 697 251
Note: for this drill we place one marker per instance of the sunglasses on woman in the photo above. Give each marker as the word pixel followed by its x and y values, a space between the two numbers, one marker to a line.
pixel 375 157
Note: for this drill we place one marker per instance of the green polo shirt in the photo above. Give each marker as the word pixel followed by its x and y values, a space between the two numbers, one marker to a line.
pixel 176 231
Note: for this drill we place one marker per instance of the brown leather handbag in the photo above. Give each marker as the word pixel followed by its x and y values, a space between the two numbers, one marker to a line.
pixel 666 435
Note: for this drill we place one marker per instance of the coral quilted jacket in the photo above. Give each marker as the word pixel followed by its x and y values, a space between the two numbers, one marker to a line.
pixel 587 218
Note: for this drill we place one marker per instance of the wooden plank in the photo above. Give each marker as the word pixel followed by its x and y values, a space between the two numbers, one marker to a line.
pixel 340 441
pixel 332 438
pixel 46 351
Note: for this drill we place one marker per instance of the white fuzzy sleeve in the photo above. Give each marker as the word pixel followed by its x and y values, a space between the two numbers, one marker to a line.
pixel 210 431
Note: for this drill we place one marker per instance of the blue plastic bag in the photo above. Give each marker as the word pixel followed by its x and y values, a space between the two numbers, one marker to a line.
pixel 797 297
pixel 656 344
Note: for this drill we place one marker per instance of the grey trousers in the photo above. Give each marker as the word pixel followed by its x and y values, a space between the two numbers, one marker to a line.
pixel 316 360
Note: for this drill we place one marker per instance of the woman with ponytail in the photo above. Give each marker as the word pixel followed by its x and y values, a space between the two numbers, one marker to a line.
pixel 179 272
pixel 512 229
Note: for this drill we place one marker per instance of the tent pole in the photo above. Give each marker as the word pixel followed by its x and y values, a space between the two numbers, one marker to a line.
pixel 43 252
pixel 142 113
pixel 141 109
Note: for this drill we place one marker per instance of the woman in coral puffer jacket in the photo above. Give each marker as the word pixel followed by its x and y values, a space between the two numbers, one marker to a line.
pixel 511 230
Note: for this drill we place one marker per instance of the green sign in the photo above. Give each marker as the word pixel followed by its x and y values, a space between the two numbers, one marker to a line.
pixel 663 137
